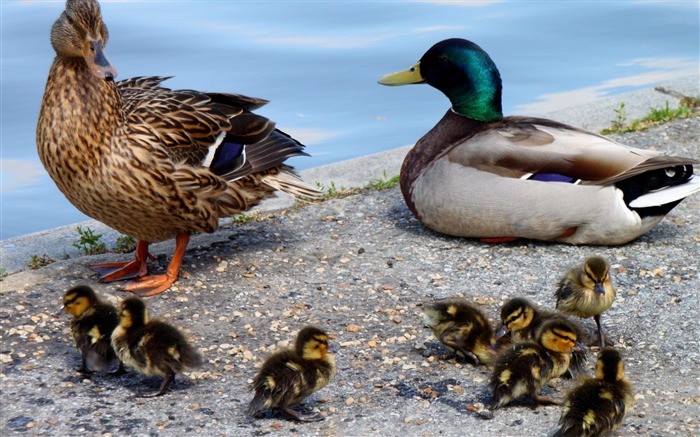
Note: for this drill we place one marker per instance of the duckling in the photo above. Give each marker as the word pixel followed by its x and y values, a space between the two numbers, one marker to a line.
pixel 586 290
pixel 91 328
pixel 597 406
pixel 526 368
pixel 463 329
pixel 521 318
pixel 289 376
pixel 151 347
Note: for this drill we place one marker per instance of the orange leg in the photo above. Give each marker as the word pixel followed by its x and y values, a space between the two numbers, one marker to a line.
pixel 155 284
pixel 497 240
pixel 110 272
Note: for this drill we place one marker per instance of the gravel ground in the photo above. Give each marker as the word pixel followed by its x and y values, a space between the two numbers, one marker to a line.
pixel 359 267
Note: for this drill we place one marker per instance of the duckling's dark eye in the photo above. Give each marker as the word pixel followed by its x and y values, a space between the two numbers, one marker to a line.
pixel 69 18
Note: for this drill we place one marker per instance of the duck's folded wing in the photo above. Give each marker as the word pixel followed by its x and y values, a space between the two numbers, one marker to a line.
pixel 519 147
pixel 185 124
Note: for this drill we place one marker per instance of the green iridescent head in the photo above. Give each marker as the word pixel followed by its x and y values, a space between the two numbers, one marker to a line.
pixel 463 72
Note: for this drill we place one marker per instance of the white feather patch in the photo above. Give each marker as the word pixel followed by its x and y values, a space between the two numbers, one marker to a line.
pixel 667 195
pixel 212 150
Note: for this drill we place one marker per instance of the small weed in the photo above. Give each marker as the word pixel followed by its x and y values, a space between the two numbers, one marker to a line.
pixel 3 273
pixel 333 192
pixel 382 183
pixel 620 118
pixel 242 218
pixel 258 216
pixel 655 117
pixel 89 242
pixel 39 261
pixel 125 244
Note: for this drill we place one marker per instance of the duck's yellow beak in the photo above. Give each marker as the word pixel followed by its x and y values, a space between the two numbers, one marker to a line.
pixel 97 60
pixel 405 77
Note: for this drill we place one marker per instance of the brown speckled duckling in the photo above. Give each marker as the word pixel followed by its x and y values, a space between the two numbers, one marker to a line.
pixel 289 376
pixel 526 368
pixel 586 290
pixel 92 326
pixel 520 320
pixel 597 406
pixel 152 347
pixel 463 329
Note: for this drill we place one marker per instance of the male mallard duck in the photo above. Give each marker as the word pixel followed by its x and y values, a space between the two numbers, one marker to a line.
pixel 478 174
pixel 586 290
pixel 148 161
pixel 289 376
pixel 526 368
pixel 92 326
pixel 463 329
pixel 152 347
pixel 597 406
pixel 521 319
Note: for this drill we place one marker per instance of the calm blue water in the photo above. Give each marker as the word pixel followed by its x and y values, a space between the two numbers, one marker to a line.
pixel 318 63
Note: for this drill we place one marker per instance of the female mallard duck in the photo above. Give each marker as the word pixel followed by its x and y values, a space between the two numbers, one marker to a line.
pixel 92 326
pixel 151 347
pixel 289 376
pixel 586 290
pixel 478 174
pixel 526 368
pixel 520 321
pixel 463 329
pixel 597 406
pixel 148 161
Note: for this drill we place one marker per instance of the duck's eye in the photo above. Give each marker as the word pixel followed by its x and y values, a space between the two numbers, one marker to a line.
pixel 442 59
pixel 69 18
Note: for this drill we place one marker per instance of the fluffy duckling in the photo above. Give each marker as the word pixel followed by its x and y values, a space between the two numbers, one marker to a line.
pixel 463 329
pixel 586 290
pixel 151 347
pixel 597 406
pixel 520 320
pixel 91 328
pixel 289 376
pixel 526 368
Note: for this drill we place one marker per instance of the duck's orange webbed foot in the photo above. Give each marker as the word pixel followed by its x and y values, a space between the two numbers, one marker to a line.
pixel 151 285
pixel 110 272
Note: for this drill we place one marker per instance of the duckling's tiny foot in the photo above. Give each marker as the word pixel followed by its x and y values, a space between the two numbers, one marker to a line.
pixel 303 417
pixel 154 394
pixel 119 372
pixel 600 344
pixel 149 285
pixel 546 400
